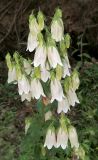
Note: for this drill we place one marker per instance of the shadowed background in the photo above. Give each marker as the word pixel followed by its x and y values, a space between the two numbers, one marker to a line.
pixel 80 16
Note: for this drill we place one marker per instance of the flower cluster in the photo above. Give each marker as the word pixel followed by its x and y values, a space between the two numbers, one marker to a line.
pixel 64 133
pixel 50 66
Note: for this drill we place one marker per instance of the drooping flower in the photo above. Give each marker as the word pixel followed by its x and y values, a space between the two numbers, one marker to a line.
pixel 32 42
pixel 63 106
pixel 40 56
pixel 72 97
pixel 53 56
pixel 12 75
pixel 26 96
pixel 48 115
pixel 72 133
pixel 50 139
pixel 36 89
pixel 57 27
pixel 23 85
pixel 56 90
pixel 62 138
pixel 45 74
pixel 34 30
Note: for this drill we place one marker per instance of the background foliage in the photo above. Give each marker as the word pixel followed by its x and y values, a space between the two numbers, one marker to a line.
pixel 15 145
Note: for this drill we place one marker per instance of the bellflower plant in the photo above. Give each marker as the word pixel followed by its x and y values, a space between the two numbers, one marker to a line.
pixel 48 78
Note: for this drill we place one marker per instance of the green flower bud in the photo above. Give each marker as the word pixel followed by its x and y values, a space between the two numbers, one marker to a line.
pixel 9 61
pixel 43 151
pixel 27 124
pixel 67 83
pixel 75 79
pixel 80 152
pixel 37 72
pixel 63 49
pixel 59 72
pixel 52 75
pixel 67 40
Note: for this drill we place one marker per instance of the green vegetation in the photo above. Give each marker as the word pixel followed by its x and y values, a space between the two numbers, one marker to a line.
pixel 14 145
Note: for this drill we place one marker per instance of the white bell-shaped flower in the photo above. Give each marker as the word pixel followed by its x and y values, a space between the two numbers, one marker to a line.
pixel 73 137
pixel 63 106
pixel 34 30
pixel 27 66
pixel 32 42
pixel 40 56
pixel 23 85
pixel 50 139
pixel 56 90
pixel 12 75
pixel 48 115
pixel 62 138
pixel 57 29
pixel 45 74
pixel 36 89
pixel 26 97
pixel 72 97
pixel 53 56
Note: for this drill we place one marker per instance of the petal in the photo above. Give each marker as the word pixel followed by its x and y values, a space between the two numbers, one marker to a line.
pixel 73 137
pixel 32 43
pixel 56 90
pixel 54 57
pixel 45 75
pixel 40 56
pixel 63 106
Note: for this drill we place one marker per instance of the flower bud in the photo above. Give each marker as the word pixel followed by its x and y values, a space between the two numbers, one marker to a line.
pixel 67 40
pixel 59 72
pixel 75 80
pixel 27 124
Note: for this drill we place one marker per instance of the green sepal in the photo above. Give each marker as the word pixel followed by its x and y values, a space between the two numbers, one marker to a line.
pixel 67 40
pixel 31 18
pixel 52 75
pixel 67 83
pixel 58 13
pixel 63 49
pixel 40 38
pixel 40 18
pixel 37 72
pixel 51 41
pixel 9 61
pixel 59 72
